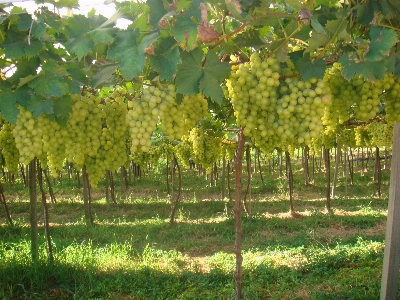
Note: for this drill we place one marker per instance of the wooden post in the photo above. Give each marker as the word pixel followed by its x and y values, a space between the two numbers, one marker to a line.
pixel 238 217
pixel 391 260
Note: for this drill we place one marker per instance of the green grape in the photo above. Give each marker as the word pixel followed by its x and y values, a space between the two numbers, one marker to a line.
pixel 228 149
pixel 9 149
pixel 142 117
pixel 348 138
pixel 253 90
pixel 111 154
pixel 300 110
pixel 184 151
pixel 28 133
pixel 363 139
pixel 391 85
pixel 380 134
pixel 206 148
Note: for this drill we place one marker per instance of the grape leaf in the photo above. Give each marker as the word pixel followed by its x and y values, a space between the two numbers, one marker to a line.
pixel 370 70
pixel 103 29
pixel 365 13
pixel 38 28
pixel 235 8
pixel 25 68
pixel 340 27
pixel 184 27
pixel 53 20
pixel 14 44
pixel 308 68
pixel 148 40
pixel 215 72
pixel 316 25
pixel 157 11
pixel 8 101
pixel 382 40
pixel 166 58
pixel 64 3
pixel 33 49
pixel 127 54
pixel 38 105
pixel 25 21
pixel 248 38
pixel 280 48
pixel 61 109
pixel 316 40
pixel 189 72
pixel 76 29
pixel 102 74
pixel 49 85
pixel 192 77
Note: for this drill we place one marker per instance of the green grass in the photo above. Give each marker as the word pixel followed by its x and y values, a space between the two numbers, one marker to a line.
pixel 132 252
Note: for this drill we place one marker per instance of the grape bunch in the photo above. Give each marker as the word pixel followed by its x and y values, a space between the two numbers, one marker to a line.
pixel 111 154
pixel 391 86
pixel 300 109
pixel 28 134
pixel 8 148
pixel 228 149
pixel 206 148
pixel 84 128
pixel 177 120
pixel 184 150
pixel 253 90
pixel 357 98
pixel 142 117
pixel 347 137
pixel 54 138
pixel 363 139
pixel 381 134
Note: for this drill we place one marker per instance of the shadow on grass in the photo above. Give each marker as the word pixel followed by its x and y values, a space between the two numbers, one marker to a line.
pixel 263 279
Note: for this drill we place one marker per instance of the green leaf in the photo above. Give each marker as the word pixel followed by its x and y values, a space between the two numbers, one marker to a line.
pixel 8 101
pixel 340 27
pixel 25 21
pixel 103 29
pixel 382 40
pixel 316 40
pixel 280 47
pixel 102 74
pixel 127 54
pixel 235 8
pixel 49 85
pixel 25 68
pixel 15 43
pixel 370 70
pixel 184 27
pixel 51 19
pixel 64 3
pixel 317 26
pixel 215 72
pixel 296 4
pixel 157 11
pixel 38 28
pixel 165 59
pixel 308 68
pixel 33 49
pixel 38 105
pixel 365 13
pixel 148 40
pixel 249 38
pixel 76 29
pixel 192 77
pixel 189 72
pixel 61 109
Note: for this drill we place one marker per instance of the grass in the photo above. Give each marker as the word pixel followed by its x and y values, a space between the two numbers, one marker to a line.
pixel 133 253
